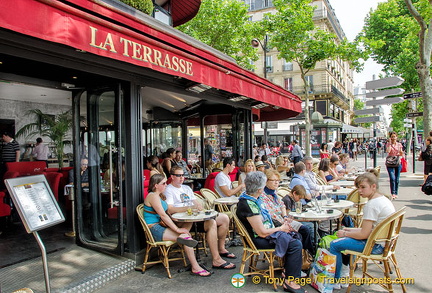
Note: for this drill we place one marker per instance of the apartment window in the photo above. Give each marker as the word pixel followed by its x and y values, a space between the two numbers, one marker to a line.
pixel 269 63
pixel 309 80
pixel 287 66
pixel 288 84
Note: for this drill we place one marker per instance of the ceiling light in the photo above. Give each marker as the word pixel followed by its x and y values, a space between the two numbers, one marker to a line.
pixel 199 88
pixel 260 106
pixel 238 98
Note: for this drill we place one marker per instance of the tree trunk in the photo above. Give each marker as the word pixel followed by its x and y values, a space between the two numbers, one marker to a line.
pixel 308 129
pixel 426 89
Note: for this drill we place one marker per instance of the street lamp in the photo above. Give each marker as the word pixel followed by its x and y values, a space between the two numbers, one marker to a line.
pixel 255 43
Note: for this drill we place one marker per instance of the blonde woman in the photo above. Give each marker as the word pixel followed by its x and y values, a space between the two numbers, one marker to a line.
pixel 282 164
pixel 249 166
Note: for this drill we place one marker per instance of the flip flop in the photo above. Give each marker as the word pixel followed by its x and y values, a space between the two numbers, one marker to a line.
pixel 188 241
pixel 228 255
pixel 224 266
pixel 200 273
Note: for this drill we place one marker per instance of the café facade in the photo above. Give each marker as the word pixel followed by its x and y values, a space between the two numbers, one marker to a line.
pixel 135 87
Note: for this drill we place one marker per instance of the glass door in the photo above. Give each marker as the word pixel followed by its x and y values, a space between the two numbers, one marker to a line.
pixel 100 168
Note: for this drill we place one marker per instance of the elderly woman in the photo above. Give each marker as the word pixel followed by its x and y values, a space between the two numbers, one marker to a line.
pixel 376 209
pixel 163 228
pixel 264 234
pixel 278 210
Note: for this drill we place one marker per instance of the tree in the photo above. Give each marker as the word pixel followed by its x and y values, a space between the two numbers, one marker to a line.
pixel 56 127
pixel 292 31
pixel 145 6
pixel 392 34
pixel 224 25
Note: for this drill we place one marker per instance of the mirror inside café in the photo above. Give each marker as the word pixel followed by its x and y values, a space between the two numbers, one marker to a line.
pixel 101 146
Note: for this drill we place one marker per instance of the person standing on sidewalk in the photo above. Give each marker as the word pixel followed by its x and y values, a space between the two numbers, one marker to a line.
pixel 394 148
pixel 296 153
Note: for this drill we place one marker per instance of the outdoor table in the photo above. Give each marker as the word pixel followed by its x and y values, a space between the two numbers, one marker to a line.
pixel 200 217
pixel 341 193
pixel 341 205
pixel 315 217
pixel 343 183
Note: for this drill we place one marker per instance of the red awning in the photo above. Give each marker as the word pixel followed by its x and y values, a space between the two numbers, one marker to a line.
pixel 147 43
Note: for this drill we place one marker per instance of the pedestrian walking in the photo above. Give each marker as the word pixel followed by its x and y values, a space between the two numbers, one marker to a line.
pixel 394 149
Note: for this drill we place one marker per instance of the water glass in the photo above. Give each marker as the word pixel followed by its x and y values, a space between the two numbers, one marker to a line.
pixel 298 207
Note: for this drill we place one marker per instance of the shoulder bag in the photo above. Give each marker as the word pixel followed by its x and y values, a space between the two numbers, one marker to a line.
pixel 392 161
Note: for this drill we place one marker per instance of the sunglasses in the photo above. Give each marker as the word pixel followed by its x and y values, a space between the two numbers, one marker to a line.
pixel 274 180
pixel 178 175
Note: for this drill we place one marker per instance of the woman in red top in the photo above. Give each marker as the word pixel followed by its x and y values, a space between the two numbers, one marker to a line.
pixel 394 148
pixel 324 153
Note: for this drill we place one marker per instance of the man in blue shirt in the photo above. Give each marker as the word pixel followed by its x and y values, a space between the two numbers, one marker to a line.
pixel 299 178
pixel 296 153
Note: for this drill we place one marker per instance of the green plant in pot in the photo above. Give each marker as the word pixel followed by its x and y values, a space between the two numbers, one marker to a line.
pixel 56 127
pixel 145 6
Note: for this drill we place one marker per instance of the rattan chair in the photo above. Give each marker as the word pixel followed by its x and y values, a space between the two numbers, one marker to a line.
pixel 356 212
pixel 251 253
pixel 283 191
pixel 164 247
pixel 23 290
pixel 386 232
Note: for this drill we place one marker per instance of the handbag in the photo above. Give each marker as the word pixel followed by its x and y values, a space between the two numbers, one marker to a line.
pixel 392 161
pixel 307 260
pixel 404 164
pixel 323 269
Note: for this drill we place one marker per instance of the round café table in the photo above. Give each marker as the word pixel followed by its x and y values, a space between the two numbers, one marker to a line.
pixel 229 201
pixel 344 183
pixel 200 217
pixel 341 205
pixel 315 217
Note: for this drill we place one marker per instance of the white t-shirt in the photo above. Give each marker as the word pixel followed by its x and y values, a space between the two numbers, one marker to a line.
pixel 378 209
pixel 222 180
pixel 178 196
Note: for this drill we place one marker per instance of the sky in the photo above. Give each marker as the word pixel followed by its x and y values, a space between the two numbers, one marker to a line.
pixel 351 15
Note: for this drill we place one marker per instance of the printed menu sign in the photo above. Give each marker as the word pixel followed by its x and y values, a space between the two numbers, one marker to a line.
pixel 35 202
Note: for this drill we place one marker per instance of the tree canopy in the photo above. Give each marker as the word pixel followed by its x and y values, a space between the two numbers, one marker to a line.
pixel 224 25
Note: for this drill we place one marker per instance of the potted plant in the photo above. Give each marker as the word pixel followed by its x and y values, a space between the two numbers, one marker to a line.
pixel 56 127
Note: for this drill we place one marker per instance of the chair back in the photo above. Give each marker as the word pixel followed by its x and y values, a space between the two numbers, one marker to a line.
pixel 210 181
pixel 209 195
pixel 234 184
pixel 245 237
pixel 320 180
pixel 387 231
pixel 315 168
pixel 283 191
pixel 147 232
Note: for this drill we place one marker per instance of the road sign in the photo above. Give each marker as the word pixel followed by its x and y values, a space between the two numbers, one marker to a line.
pixel 414 114
pixel 385 93
pixel 367 119
pixel 408 125
pixel 385 101
pixel 368 111
pixel 384 83
pixel 413 95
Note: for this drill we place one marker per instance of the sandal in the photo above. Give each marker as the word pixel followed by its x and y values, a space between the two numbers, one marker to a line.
pixel 188 241
pixel 201 273
pixel 228 255
pixel 292 290
pixel 394 196
pixel 225 266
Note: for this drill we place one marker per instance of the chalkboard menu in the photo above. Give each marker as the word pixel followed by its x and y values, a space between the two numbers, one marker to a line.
pixel 35 202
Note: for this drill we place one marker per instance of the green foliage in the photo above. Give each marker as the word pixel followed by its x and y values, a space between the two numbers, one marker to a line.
pixel 56 127
pixel 145 6
pixel 224 25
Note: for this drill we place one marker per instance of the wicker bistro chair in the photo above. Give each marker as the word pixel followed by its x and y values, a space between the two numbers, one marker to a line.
pixel 251 253
pixel 356 212
pixel 388 232
pixel 283 191
pixel 164 247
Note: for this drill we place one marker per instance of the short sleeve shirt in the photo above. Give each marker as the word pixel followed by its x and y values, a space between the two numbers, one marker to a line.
pixel 247 208
pixel 222 180
pixel 178 196
pixel 273 207
pixel 9 151
pixel 378 209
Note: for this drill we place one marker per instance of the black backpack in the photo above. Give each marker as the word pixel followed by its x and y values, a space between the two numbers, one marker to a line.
pixel 427 186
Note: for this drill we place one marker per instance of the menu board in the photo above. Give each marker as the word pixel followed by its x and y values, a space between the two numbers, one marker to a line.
pixel 35 202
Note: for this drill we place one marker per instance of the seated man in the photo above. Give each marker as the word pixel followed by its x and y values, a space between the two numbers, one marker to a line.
pixel 311 180
pixel 299 178
pixel 260 166
pixel 177 198
pixel 223 184
pixel 83 172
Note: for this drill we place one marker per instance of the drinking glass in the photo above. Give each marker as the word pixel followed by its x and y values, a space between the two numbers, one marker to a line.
pixel 298 206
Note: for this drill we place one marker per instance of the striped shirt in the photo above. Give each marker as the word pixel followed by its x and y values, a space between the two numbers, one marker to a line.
pixel 9 151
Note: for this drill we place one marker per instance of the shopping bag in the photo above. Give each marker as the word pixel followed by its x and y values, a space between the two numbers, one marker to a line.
pixel 323 271
pixel 404 164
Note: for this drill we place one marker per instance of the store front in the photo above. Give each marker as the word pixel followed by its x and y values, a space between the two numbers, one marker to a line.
pixel 135 87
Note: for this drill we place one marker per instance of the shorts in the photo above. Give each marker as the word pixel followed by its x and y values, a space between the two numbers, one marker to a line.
pixel 157 231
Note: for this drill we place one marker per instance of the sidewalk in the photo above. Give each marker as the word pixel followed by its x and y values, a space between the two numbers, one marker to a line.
pixel 82 270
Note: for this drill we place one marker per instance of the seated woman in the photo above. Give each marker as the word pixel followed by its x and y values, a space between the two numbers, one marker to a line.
pixel 324 171
pixel 261 229
pixel 248 167
pixel 376 209
pixel 168 161
pixel 154 166
pixel 334 162
pixel 278 211
pixel 155 215
pixel 282 164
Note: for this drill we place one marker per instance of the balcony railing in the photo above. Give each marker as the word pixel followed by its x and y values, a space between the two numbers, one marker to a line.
pixel 321 89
